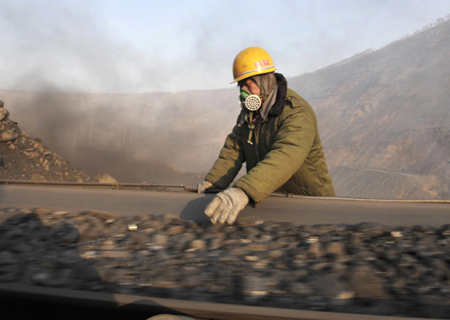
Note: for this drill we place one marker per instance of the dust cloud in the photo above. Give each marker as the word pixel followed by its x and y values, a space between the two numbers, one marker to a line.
pixel 63 56
pixel 125 135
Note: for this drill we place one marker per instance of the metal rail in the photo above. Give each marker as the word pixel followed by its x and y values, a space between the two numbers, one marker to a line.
pixel 118 186
pixel 203 310
pixel 156 186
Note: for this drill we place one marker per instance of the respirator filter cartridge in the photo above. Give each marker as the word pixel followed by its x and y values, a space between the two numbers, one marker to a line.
pixel 252 102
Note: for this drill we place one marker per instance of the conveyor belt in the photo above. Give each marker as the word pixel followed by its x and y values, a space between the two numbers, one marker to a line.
pixel 190 205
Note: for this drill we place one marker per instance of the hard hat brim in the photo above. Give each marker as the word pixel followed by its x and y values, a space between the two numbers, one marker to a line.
pixel 248 74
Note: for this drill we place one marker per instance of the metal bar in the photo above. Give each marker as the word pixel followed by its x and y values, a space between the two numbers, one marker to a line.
pixel 364 199
pixel 183 307
pixel 95 184
pixel 194 189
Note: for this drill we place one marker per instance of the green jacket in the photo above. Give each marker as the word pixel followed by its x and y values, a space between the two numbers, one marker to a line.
pixel 286 155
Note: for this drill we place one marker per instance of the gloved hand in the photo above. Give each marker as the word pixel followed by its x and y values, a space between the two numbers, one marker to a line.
pixel 226 206
pixel 202 186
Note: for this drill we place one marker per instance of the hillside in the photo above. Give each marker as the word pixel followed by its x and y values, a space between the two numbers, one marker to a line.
pixel 387 109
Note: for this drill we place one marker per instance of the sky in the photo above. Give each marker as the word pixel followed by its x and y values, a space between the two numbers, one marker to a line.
pixel 145 46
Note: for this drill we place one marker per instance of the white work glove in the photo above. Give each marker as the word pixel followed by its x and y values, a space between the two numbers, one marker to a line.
pixel 226 206
pixel 202 186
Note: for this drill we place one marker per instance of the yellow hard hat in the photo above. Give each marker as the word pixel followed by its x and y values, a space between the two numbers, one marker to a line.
pixel 251 61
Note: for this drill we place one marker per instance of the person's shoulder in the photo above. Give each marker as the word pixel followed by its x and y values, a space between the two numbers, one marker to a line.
pixel 295 100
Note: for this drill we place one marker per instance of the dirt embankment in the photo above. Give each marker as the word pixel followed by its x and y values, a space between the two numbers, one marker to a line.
pixel 25 158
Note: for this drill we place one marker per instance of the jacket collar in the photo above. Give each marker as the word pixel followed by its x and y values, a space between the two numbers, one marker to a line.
pixel 280 101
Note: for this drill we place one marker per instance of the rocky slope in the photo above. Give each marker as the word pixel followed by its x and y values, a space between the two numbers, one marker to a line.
pixel 25 158
pixel 365 268
pixel 379 184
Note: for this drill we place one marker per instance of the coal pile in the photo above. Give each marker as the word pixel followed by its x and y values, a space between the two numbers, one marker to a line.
pixel 25 158
pixel 365 268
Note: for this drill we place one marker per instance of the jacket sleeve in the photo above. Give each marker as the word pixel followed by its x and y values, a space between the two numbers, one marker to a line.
pixel 292 143
pixel 230 159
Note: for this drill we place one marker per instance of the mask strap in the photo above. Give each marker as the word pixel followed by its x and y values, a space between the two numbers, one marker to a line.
pixel 251 125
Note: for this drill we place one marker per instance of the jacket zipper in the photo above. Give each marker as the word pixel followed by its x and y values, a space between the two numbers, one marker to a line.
pixel 257 132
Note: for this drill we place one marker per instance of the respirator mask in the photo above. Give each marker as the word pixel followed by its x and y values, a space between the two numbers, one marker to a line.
pixel 251 101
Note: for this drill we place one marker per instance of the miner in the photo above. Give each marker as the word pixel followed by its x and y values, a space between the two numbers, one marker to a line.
pixel 276 135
